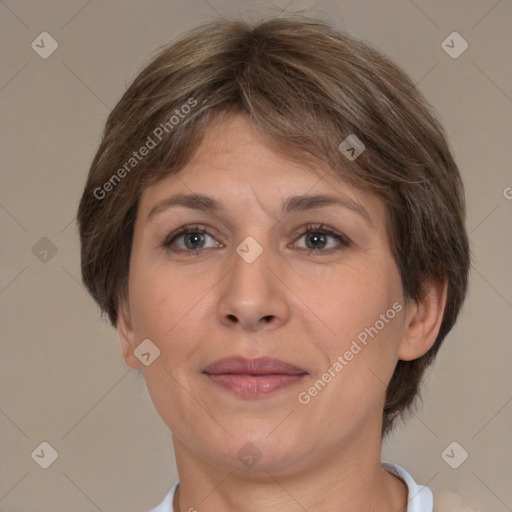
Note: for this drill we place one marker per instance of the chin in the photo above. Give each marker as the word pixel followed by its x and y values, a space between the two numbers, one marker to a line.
pixel 257 452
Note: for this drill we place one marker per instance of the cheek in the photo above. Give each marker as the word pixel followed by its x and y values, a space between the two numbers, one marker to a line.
pixel 165 308
pixel 162 300
pixel 352 299
pixel 362 305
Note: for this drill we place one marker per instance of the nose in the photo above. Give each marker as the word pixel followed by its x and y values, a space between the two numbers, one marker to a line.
pixel 253 297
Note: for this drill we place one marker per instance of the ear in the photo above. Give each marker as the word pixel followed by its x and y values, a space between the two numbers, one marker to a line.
pixel 423 321
pixel 126 335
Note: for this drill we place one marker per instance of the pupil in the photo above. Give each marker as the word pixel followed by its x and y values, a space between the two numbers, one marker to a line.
pixel 193 236
pixel 315 238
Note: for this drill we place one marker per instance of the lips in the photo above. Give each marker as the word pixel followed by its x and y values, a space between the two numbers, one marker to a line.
pixel 253 377
pixel 259 366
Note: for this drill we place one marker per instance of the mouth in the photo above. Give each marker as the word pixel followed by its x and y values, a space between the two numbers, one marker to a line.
pixel 253 377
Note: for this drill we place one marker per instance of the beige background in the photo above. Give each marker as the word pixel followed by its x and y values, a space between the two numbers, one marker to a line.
pixel 62 377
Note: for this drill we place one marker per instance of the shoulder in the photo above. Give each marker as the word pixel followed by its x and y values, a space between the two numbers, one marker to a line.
pixel 420 498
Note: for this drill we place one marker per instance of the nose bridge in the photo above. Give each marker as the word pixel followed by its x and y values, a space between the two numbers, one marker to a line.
pixel 251 294
pixel 251 261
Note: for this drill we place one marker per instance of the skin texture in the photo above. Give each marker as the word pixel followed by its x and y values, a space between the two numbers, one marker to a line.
pixel 302 308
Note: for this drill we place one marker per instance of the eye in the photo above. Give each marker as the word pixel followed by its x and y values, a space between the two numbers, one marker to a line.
pixel 317 239
pixel 193 238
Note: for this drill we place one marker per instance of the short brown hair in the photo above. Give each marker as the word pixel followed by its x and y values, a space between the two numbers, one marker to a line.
pixel 306 87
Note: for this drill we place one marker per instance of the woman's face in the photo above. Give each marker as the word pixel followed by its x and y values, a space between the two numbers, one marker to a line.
pixel 247 283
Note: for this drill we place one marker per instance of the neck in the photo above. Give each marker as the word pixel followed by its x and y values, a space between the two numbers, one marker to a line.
pixel 347 481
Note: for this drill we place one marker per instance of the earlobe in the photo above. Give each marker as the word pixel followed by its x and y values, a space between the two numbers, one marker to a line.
pixel 423 321
pixel 126 335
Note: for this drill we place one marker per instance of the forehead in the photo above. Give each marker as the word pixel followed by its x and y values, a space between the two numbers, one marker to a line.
pixel 234 145
pixel 235 164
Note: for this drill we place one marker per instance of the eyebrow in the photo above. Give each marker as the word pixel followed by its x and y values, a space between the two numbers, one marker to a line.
pixel 292 204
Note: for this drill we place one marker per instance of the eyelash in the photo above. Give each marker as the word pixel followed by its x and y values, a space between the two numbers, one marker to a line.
pixel 310 228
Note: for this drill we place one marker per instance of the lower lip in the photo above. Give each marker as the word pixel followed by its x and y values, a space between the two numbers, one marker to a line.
pixel 255 385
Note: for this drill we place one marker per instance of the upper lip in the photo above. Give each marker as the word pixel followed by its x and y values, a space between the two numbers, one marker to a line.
pixel 258 366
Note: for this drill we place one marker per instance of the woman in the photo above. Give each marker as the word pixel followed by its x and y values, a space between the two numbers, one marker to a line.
pixel 274 223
